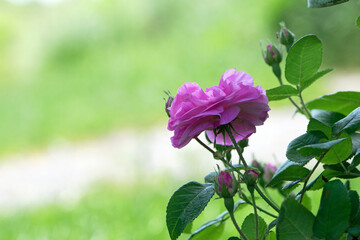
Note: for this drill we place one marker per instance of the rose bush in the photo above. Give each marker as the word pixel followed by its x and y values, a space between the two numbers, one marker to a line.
pixel 235 100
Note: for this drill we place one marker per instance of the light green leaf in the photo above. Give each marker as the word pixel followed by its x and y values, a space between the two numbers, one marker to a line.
pixel 305 84
pixel 349 124
pixel 248 227
pixel 306 139
pixel 215 223
pixel 185 205
pixel 303 60
pixel 330 223
pixel 295 221
pixel 339 152
pixel 281 92
pixel 358 22
pixel 212 231
pixel 288 171
pixel 341 102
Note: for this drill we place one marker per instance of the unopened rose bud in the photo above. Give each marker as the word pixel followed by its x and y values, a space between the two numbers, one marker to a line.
pixel 253 175
pixel 168 104
pixel 226 185
pixel 269 172
pixel 272 55
pixel 286 37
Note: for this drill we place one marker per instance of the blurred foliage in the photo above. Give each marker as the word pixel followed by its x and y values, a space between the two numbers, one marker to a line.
pixel 78 69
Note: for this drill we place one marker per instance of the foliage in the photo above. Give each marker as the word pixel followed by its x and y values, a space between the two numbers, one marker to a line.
pixel 332 141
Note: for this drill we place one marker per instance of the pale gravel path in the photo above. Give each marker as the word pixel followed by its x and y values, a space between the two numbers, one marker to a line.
pixel 65 171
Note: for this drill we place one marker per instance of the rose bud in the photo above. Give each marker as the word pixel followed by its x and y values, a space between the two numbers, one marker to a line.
pixel 226 185
pixel 253 175
pixel 272 55
pixel 269 172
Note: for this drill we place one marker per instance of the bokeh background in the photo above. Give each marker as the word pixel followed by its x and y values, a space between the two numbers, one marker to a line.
pixel 84 150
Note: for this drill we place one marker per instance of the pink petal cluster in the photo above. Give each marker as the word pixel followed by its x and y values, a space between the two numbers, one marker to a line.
pixel 235 100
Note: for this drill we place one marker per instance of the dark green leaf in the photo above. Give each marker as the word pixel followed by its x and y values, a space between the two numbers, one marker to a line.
pixel 316 125
pixel 354 228
pixel 355 140
pixel 354 203
pixel 326 117
pixel 349 124
pixel 324 3
pixel 295 221
pixel 292 185
pixel 248 227
pixel 303 60
pixel 281 92
pixel 341 102
pixel 358 22
pixel 330 223
pixel 234 238
pixel 185 205
pixel 305 84
pixel 305 139
pixel 318 148
pixel 288 171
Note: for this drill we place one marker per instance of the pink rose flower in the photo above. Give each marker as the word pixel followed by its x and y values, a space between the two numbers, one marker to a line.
pixel 234 101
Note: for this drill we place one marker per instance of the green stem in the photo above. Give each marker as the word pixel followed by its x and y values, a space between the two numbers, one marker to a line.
pixel 277 71
pixel 244 197
pixel 256 216
pixel 266 199
pixel 308 114
pixel 308 177
pixel 237 226
pixel 228 130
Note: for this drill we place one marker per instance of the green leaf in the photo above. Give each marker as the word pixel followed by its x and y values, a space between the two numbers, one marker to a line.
pixel 356 160
pixel 354 228
pixel 333 216
pixel 301 141
pixel 303 60
pixel 349 124
pixel 318 148
pixel 281 92
pixel 295 221
pixel 326 117
pixel 248 227
pixel 305 84
pixel 233 238
pixel 341 102
pixel 358 22
pixel 188 228
pixel 185 205
pixel 210 177
pixel 354 203
pixel 288 171
pixel 340 152
pixel 324 3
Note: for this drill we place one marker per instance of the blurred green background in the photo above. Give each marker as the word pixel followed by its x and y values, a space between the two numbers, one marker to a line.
pixel 79 69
